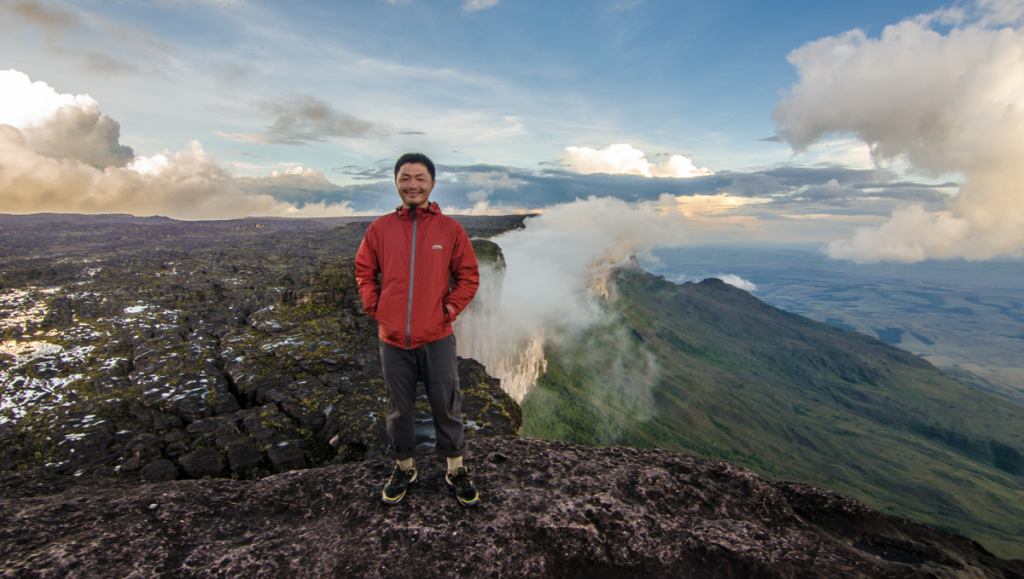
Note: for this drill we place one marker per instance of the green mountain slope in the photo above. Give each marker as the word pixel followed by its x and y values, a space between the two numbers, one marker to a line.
pixel 709 369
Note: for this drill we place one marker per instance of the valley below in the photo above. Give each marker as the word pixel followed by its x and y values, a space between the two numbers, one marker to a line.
pixel 967 318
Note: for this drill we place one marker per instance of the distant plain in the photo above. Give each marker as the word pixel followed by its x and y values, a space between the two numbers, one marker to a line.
pixel 966 318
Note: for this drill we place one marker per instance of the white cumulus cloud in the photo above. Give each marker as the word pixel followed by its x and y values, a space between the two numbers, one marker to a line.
pixel 944 103
pixel 59 153
pixel 60 125
pixel 624 159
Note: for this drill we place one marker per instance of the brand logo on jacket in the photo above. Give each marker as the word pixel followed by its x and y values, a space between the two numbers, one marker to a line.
pixel 436 247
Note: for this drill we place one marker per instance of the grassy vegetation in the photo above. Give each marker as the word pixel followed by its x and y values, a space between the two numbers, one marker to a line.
pixel 708 369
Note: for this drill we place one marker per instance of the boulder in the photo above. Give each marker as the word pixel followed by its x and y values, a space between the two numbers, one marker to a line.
pixel 242 457
pixel 285 456
pixel 203 462
pixel 159 470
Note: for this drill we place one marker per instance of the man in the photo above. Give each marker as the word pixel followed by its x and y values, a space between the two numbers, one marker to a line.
pixel 417 252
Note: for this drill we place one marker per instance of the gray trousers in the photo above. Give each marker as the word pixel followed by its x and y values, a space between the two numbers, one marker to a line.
pixel 436 365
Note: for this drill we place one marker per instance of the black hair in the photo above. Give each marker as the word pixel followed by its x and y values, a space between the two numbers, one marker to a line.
pixel 416 158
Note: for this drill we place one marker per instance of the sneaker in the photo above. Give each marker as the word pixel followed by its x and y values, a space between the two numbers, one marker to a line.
pixel 397 485
pixel 463 485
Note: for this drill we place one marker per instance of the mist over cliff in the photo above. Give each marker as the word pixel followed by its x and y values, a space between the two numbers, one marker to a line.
pixel 555 276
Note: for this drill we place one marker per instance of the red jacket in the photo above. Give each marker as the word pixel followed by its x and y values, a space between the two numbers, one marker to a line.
pixel 413 302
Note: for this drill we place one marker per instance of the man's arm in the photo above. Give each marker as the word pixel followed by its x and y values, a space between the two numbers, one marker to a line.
pixel 465 276
pixel 367 270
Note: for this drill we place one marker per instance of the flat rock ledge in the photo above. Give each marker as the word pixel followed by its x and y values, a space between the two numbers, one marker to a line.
pixel 548 509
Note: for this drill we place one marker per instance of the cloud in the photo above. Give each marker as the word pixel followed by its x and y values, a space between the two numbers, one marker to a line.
pixel 99 62
pixel 231 74
pixel 54 21
pixel 556 267
pixel 737 281
pixel 726 202
pixel 696 206
pixel 238 153
pixel 486 184
pixel 1000 12
pixel 292 178
pixel 302 119
pixel 933 235
pixel 474 5
pixel 58 153
pixel 76 35
pixel 301 186
pixel 623 159
pixel 60 126
pixel 551 260
pixel 943 103
pixel 382 170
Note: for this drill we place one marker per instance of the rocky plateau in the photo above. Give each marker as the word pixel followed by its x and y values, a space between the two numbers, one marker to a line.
pixel 205 400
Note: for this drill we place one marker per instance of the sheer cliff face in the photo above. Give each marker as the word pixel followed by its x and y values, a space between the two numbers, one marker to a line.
pixel 514 352
pixel 516 357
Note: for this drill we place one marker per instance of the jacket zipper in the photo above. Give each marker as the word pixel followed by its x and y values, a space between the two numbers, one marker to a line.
pixel 412 272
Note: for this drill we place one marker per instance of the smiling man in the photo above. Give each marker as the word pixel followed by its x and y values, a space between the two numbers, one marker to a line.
pixel 416 272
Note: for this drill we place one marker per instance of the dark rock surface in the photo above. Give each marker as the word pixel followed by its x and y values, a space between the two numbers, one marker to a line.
pixel 549 509
pixel 164 349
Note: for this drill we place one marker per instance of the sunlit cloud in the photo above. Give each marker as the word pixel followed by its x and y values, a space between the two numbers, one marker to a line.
pixel 59 153
pixel 942 103
pixel 60 125
pixel 694 206
pixel 623 159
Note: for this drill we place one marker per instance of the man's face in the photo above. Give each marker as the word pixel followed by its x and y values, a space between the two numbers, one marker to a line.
pixel 414 185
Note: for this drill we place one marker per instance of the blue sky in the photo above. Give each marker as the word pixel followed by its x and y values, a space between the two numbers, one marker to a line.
pixel 521 103
pixel 697 78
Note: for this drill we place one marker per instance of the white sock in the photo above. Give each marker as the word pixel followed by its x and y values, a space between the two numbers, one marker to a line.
pixel 405 464
pixel 454 464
